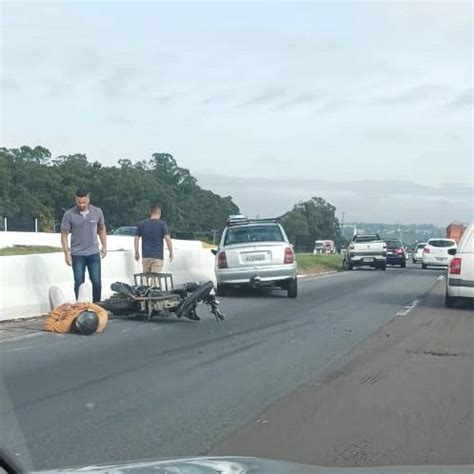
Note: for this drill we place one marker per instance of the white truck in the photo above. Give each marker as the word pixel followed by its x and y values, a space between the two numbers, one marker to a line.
pixel 366 250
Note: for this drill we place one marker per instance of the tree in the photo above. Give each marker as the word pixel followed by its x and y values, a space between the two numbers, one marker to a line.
pixel 312 220
pixel 32 184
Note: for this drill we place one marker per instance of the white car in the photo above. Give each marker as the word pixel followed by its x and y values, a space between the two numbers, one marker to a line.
pixel 460 279
pixel 418 252
pixel 435 253
pixel 256 253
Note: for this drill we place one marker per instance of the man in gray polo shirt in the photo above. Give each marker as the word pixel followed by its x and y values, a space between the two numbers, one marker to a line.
pixel 84 222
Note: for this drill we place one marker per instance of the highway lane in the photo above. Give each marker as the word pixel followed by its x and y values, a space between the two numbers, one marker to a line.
pixel 170 387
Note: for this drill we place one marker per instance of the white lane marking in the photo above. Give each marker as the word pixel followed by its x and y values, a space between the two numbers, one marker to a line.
pixel 409 307
pixel 20 349
pixel 19 338
pixel 441 277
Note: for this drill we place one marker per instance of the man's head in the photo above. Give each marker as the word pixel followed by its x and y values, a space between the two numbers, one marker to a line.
pixel 82 199
pixel 155 210
pixel 86 323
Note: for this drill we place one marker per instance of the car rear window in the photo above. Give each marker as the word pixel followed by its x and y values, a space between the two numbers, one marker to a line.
pixel 393 244
pixel 249 234
pixel 420 246
pixel 366 238
pixel 441 243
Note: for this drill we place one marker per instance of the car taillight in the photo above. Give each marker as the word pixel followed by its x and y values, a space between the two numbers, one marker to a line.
pixel 289 255
pixel 222 260
pixel 455 266
pixel 426 250
pixel 399 251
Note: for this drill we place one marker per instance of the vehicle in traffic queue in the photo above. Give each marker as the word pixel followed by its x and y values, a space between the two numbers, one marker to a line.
pixel 418 252
pixel 396 253
pixel 460 278
pixel 366 250
pixel 255 253
pixel 435 253
pixel 129 230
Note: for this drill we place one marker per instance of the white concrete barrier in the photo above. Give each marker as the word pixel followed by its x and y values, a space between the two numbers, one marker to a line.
pixel 25 280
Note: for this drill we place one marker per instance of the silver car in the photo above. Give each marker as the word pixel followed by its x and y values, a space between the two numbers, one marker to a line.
pixel 255 253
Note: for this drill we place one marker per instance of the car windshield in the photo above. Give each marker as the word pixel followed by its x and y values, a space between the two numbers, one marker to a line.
pixel 393 244
pixel 420 246
pixel 441 243
pixel 250 234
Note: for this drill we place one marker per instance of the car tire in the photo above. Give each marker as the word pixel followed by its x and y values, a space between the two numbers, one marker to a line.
pixel 347 265
pixel 292 288
pixel 423 266
pixel 449 301
pixel 403 264
pixel 221 290
pixel 383 267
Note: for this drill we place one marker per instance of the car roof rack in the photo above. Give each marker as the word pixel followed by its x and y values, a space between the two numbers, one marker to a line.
pixel 242 220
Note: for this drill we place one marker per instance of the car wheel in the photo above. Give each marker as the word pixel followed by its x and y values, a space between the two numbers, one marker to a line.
pixel 403 264
pixel 221 290
pixel 449 301
pixel 423 266
pixel 383 267
pixel 346 265
pixel 292 288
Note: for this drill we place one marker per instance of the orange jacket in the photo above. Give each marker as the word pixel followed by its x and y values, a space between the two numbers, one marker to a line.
pixel 61 318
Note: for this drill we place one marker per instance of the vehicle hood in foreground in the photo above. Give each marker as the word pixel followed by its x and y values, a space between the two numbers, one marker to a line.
pixel 248 465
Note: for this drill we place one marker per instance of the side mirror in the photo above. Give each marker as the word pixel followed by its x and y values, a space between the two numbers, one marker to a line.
pixel 214 251
pixel 452 251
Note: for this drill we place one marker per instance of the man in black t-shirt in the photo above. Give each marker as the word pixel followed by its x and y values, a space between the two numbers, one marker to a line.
pixel 153 231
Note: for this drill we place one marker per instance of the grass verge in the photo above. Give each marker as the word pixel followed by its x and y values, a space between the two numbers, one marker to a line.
pixel 28 250
pixel 309 263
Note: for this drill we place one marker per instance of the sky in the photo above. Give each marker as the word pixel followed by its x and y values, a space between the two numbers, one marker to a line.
pixel 366 104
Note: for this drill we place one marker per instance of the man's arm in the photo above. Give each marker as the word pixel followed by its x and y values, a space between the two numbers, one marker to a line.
pixel 169 244
pixel 102 231
pixel 103 239
pixel 65 246
pixel 65 229
pixel 136 241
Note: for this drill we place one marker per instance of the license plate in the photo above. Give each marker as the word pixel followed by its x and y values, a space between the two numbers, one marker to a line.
pixel 441 259
pixel 255 258
pixel 368 259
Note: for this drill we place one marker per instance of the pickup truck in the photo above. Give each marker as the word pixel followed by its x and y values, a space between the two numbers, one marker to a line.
pixel 366 250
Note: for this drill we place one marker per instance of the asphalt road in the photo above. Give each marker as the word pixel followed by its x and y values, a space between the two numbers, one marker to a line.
pixel 174 387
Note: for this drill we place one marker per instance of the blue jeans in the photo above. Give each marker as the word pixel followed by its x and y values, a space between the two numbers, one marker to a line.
pixel 92 262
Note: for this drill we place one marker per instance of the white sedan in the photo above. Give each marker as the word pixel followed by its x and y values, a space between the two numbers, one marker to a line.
pixel 435 253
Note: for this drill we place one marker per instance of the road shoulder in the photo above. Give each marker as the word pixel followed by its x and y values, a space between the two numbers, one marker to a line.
pixel 404 397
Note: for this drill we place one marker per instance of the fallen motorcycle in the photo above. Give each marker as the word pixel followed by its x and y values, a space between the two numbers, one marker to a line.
pixel 154 294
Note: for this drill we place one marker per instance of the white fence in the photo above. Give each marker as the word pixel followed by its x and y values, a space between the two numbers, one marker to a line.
pixel 25 280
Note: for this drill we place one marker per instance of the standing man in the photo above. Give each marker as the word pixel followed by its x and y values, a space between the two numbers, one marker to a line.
pixel 84 222
pixel 152 232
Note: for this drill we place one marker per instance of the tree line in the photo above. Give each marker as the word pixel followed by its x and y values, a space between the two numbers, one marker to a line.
pixel 34 184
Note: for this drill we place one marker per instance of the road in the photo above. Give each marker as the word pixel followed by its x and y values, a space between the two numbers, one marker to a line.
pixel 172 387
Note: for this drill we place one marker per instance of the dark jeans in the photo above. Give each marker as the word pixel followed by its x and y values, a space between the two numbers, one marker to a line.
pixel 92 262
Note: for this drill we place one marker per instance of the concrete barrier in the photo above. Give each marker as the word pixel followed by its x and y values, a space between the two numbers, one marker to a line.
pixel 25 280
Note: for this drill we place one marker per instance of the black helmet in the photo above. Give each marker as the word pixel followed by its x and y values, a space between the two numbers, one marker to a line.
pixel 86 323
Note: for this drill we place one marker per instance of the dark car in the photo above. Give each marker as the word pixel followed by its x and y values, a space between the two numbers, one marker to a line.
pixel 396 254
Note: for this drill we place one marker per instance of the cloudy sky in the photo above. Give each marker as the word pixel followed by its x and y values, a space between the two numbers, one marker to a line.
pixel 367 104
